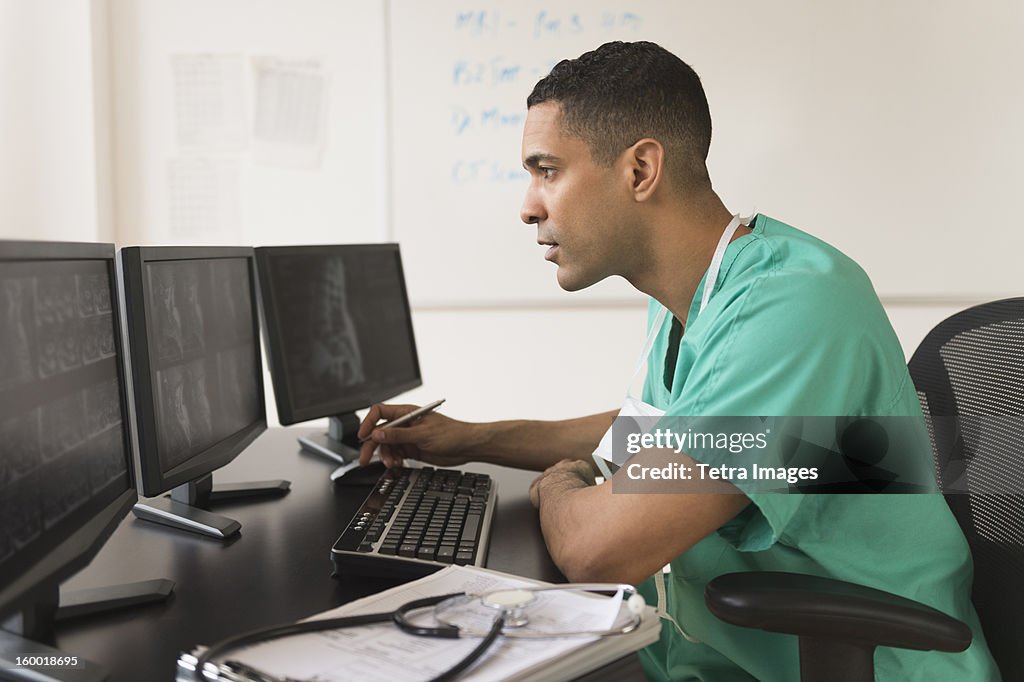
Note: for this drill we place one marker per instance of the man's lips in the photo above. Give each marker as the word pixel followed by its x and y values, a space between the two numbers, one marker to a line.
pixel 552 250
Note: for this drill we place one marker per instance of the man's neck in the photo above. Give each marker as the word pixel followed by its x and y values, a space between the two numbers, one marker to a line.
pixel 682 242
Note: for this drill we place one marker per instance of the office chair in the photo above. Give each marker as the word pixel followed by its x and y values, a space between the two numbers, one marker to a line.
pixel 969 373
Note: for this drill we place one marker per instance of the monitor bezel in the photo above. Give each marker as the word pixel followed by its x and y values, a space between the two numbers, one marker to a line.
pixel 152 480
pixel 287 413
pixel 37 575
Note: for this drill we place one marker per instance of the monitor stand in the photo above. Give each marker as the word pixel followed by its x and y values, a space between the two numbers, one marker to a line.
pixel 183 508
pixel 29 633
pixel 340 444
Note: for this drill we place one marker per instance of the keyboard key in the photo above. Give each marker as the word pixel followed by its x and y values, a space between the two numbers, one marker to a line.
pixel 407 550
pixel 463 558
pixel 469 530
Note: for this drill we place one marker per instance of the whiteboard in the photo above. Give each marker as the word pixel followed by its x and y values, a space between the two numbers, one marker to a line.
pixel 891 130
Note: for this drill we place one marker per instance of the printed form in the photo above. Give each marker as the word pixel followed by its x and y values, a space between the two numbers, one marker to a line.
pixel 382 652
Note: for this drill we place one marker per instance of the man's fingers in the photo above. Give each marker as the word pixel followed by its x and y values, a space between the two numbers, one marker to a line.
pixel 573 467
pixel 369 421
pixel 535 491
pixel 387 456
pixel 398 436
pixel 366 452
pixel 585 471
pixel 381 411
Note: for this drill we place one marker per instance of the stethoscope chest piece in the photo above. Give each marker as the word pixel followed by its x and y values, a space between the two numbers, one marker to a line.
pixel 512 603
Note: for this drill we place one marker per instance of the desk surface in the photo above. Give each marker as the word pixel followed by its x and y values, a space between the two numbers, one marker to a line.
pixel 277 570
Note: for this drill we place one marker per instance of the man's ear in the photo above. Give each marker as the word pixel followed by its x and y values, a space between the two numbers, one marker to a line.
pixel 646 161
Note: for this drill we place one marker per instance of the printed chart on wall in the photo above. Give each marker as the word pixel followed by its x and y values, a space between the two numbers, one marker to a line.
pixel 863 124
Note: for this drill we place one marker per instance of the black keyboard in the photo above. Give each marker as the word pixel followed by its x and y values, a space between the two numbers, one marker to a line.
pixel 415 521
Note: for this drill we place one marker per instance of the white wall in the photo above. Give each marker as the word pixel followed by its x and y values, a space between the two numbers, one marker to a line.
pixel 343 199
pixel 87 129
pixel 54 175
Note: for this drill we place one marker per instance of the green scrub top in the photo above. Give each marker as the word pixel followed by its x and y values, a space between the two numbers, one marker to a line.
pixel 794 328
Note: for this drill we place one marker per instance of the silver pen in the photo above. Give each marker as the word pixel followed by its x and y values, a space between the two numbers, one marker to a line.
pixel 406 418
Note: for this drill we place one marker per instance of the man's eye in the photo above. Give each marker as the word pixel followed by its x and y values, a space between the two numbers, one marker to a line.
pixel 546 172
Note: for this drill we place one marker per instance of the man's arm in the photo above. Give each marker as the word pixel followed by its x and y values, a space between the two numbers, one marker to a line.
pixel 538 445
pixel 594 535
pixel 438 439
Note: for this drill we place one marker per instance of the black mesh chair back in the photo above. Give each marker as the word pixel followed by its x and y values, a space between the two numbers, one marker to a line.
pixel 969 375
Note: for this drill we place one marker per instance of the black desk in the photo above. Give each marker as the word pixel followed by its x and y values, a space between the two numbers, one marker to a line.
pixel 276 570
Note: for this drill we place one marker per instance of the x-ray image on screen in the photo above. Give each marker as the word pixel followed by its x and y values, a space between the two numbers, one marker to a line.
pixel 180 301
pixel 334 351
pixel 185 417
pixel 57 324
pixel 20 437
pixel 15 323
pixel 240 394
pixel 21 515
pixel 97 338
pixel 202 334
pixel 61 432
pixel 64 425
pixel 174 425
pixel 93 295
pixel 103 425
pixel 234 314
pixel 343 323
pixel 314 303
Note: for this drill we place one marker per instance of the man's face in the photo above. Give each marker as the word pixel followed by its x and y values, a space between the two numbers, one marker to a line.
pixel 577 205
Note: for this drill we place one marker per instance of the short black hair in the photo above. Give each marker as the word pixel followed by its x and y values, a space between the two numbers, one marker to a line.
pixel 623 92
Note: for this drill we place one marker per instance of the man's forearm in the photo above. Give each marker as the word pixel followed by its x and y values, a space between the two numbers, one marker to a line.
pixel 559 523
pixel 536 445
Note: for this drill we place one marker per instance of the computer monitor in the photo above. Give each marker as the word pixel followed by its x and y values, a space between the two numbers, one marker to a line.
pixel 65 469
pixel 197 378
pixel 339 335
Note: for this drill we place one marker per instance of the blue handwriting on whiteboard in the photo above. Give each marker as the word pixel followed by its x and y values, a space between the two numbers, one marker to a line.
pixel 482 22
pixel 496 70
pixel 628 20
pixel 486 118
pixel 546 24
pixel 466 171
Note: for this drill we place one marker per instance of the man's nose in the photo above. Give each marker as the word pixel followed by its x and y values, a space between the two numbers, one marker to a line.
pixel 532 211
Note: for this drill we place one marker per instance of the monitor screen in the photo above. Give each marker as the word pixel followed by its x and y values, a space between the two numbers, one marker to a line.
pixel 339 330
pixel 197 373
pixel 64 455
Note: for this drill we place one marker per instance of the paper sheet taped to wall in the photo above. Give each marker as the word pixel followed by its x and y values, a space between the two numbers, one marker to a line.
pixel 203 198
pixel 290 112
pixel 209 102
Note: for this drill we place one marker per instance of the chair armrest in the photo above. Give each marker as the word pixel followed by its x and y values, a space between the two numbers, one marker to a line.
pixel 812 606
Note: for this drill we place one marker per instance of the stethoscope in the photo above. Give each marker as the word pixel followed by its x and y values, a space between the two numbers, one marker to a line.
pixel 508 609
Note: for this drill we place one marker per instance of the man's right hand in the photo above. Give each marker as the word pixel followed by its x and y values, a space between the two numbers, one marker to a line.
pixel 433 438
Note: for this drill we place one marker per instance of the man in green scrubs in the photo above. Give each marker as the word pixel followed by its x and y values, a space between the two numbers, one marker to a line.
pixel 616 145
